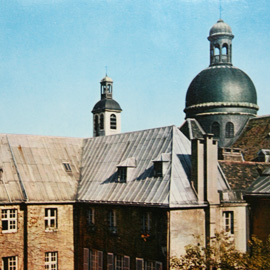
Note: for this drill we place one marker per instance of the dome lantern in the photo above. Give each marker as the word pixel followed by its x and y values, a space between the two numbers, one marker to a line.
pixel 220 37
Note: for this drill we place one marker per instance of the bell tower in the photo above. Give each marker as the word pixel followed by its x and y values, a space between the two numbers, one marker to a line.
pixel 106 112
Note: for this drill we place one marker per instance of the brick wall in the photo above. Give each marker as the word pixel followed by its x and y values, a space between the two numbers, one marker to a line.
pixel 129 239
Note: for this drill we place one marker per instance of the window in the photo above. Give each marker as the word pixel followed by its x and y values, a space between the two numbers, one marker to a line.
pixel 139 264
pixel 9 220
pixel 67 167
pixel 112 221
pixel 9 263
pixel 50 219
pixel 101 121
pixel 229 130
pixel 216 129
pixel 91 216
pixel 51 260
pixel 113 121
pixel 146 223
pixel 158 168
pixel 149 265
pixel 118 262
pixel 96 127
pixel 122 174
pixel 228 222
pixel 225 49
pixel 96 260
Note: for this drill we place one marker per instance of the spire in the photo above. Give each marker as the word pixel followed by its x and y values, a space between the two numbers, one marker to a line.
pixel 220 37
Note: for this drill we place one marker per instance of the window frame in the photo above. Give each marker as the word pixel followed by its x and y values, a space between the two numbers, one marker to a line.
pixel 112 221
pixel 146 222
pixel 113 121
pixel 229 130
pixel 48 218
pixel 51 264
pixel 122 174
pixel 158 168
pixel 91 216
pixel 7 260
pixel 228 222
pixel 10 220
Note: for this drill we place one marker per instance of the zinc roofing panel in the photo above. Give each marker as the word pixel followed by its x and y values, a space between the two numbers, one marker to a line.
pixel 35 164
pixel 99 168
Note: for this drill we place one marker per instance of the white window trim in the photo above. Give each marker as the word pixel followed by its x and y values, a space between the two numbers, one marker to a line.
pixel 52 264
pixel 49 218
pixel 9 220
pixel 9 267
pixel 228 216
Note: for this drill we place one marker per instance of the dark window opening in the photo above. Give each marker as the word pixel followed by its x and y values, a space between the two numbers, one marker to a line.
pixel 101 121
pixel 67 167
pixel 122 174
pixel 229 130
pixel 113 121
pixel 96 127
pixel 158 168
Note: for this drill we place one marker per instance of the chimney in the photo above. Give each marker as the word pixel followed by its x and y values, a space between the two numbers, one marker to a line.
pixel 204 170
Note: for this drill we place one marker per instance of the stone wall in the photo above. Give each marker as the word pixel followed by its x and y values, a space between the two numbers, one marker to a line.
pixel 58 240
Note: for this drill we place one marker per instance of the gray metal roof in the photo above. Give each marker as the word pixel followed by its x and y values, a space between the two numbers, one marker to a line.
pixel 101 155
pixel 33 168
pixel 261 186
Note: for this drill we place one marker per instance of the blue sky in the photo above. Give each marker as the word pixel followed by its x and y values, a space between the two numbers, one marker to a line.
pixel 53 55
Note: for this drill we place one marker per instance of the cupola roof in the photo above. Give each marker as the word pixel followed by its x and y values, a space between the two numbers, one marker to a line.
pixel 220 28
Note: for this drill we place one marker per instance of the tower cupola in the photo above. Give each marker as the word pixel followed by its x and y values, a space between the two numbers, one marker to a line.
pixel 106 112
pixel 222 98
pixel 220 37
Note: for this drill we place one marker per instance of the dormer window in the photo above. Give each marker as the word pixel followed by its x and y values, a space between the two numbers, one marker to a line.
pixel 161 164
pixel 124 173
pixel 158 168
pixel 67 167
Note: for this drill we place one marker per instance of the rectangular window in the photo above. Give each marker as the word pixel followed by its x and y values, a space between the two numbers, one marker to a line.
pixel 150 265
pixel 91 216
pixel 122 174
pixel 50 219
pixel 96 260
pixel 67 167
pixel 9 220
pixel 139 264
pixel 9 263
pixel 146 223
pixel 51 260
pixel 228 222
pixel 112 221
pixel 158 168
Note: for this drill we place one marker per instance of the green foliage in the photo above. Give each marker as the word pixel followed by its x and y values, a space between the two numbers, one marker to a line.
pixel 220 253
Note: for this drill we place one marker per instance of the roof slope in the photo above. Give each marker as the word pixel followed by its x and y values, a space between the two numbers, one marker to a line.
pixel 33 168
pixel 260 186
pixel 241 175
pixel 255 136
pixel 102 155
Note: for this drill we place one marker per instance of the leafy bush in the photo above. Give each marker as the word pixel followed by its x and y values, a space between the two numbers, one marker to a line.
pixel 220 253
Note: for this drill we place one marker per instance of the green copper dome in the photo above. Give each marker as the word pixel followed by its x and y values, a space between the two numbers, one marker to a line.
pixel 221 86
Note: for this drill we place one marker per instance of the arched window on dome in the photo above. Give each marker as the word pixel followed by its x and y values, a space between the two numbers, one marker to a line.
pixel 225 49
pixel 101 125
pixel 216 53
pixel 216 129
pixel 229 130
pixel 96 125
pixel 216 50
pixel 113 121
pixel 224 52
